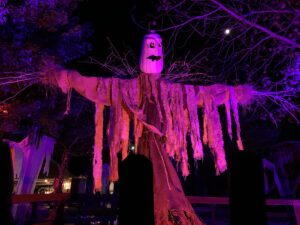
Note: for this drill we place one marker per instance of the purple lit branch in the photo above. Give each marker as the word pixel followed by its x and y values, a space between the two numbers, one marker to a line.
pixel 280 99
pixel 179 25
pixel 120 65
pixel 17 82
pixel 263 29
pixel 18 77
pixel 262 36
pixel 234 42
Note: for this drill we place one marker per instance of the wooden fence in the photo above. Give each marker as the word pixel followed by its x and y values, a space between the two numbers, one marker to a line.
pixel 225 201
pixel 61 198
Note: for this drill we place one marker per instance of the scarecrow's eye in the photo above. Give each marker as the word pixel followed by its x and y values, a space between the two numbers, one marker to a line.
pixel 152 45
pixel 159 45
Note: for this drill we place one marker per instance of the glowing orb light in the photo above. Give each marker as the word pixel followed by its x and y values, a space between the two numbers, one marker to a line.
pixel 227 31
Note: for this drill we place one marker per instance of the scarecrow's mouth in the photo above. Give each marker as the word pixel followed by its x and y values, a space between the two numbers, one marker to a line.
pixel 154 57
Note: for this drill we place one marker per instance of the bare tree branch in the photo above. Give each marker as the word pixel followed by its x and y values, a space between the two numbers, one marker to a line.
pixel 265 30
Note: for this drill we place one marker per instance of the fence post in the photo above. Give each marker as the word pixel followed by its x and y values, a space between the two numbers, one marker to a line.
pixel 59 219
pixel 33 211
pixel 213 214
pixel 296 205
pixel 246 189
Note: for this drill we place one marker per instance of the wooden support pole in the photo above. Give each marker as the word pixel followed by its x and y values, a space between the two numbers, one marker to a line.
pixel 296 205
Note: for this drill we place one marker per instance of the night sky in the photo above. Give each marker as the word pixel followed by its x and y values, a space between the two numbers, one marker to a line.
pixel 112 19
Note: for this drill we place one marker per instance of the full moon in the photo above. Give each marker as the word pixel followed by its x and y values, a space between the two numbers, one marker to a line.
pixel 227 31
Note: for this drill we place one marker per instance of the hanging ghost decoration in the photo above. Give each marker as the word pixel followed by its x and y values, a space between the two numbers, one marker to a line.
pixel 151 59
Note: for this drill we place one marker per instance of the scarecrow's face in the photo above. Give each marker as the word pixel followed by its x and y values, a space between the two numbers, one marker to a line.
pixel 151 60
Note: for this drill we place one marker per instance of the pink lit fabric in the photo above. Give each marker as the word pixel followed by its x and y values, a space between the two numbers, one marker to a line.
pixel 177 109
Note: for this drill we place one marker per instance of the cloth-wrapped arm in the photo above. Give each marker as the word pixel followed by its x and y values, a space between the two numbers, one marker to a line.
pixel 96 89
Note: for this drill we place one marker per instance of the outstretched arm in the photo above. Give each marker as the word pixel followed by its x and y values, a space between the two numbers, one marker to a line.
pixel 96 89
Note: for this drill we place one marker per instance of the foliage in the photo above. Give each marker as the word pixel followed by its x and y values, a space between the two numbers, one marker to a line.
pixel 38 34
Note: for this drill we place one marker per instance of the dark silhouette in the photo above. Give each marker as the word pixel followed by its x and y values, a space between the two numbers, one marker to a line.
pixel 246 189
pixel 6 171
pixel 136 204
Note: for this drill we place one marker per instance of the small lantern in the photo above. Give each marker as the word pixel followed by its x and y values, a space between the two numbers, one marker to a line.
pixel 67 185
pixel 151 59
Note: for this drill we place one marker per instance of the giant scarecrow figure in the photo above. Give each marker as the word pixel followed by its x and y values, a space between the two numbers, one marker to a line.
pixel 163 114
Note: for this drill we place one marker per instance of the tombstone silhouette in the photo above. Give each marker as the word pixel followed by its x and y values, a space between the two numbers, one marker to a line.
pixel 246 189
pixel 7 179
pixel 136 205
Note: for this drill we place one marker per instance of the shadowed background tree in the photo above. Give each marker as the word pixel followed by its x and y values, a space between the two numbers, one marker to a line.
pixel 36 36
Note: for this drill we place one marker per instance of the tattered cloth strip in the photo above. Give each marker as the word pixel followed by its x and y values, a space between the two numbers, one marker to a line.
pixel 214 96
pixel 135 98
pixel 170 144
pixel 115 128
pixel 234 106
pixel 194 121
pixel 125 133
pixel 97 160
pixel 228 116
pixel 177 110
pixel 179 126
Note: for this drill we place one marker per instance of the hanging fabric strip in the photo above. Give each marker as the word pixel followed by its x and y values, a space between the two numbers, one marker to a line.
pixel 97 160
pixel 176 118
pixel 13 157
pixel 228 116
pixel 214 132
pixel 47 144
pixel 185 128
pixel 180 126
pixel 155 92
pixel 115 124
pixel 168 123
pixel 133 98
pixel 125 133
pixel 234 106
pixel 194 122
